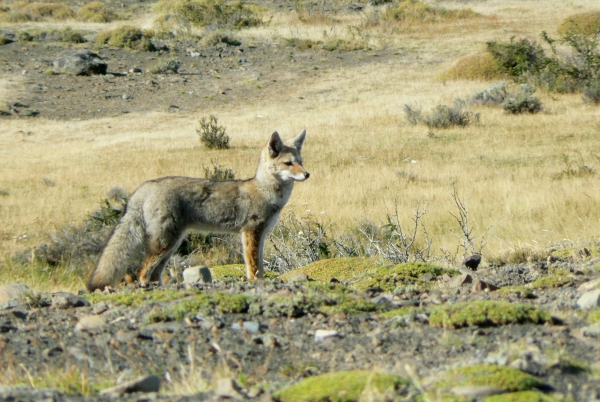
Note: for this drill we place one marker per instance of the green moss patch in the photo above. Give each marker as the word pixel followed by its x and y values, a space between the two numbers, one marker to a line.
pixel 137 297
pixel 523 396
pixel 485 313
pixel 510 379
pixel 208 303
pixel 406 274
pixel 339 268
pixel 235 271
pixel 342 386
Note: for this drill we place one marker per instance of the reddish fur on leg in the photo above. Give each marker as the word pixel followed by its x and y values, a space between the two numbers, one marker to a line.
pixel 250 240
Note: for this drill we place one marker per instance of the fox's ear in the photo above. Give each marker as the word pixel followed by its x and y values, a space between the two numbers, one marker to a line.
pixel 275 145
pixel 299 140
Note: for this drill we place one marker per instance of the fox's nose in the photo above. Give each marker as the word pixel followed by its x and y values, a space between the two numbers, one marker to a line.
pixel 306 175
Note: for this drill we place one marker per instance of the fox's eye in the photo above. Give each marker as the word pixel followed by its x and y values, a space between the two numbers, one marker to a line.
pixel 288 163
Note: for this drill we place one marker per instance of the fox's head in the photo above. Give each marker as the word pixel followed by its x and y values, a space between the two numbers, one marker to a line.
pixel 284 161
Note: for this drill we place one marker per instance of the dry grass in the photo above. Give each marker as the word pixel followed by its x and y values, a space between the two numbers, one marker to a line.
pixel 357 145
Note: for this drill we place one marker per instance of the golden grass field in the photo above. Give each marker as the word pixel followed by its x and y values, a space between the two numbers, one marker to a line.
pixel 505 168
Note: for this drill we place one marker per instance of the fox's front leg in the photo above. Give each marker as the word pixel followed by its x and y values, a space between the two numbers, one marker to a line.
pixel 251 239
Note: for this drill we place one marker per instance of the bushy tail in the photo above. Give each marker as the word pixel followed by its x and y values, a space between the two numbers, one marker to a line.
pixel 120 253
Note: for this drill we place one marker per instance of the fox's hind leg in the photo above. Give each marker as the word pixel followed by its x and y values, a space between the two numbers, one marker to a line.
pixel 158 252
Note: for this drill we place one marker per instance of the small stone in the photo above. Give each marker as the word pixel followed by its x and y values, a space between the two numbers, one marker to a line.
pixel 297 277
pixel 100 307
pixel 228 388
pixel 150 383
pixel 592 331
pixel 65 300
pixel 135 70
pixel 126 336
pixel 322 334
pixel 197 274
pixel 589 300
pixel 384 300
pixel 51 352
pixel 250 326
pixel 8 292
pixel 477 391
pixel 426 278
pixel 590 285
pixel 90 323
pixel 460 280
pixel 481 286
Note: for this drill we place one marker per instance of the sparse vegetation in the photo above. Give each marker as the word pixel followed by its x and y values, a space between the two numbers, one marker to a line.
pixel 171 65
pixel 211 134
pixel 97 11
pixel 128 37
pixel 415 10
pixel 22 11
pixel 442 116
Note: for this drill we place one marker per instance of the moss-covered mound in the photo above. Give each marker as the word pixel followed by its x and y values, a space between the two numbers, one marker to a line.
pixel 485 313
pixel 137 297
pixel 508 378
pixel 235 271
pixel 405 274
pixel 343 386
pixel 339 268
pixel 523 396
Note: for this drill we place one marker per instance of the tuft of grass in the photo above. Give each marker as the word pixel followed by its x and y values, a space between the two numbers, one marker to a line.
pixel 485 313
pixel 137 297
pixel 586 24
pixel 343 386
pixel 126 36
pixel 37 11
pixel 70 35
pixel 418 11
pixel 209 303
pixel 235 271
pixel 405 274
pixel 522 396
pixel 474 67
pixel 210 13
pixel 302 44
pixel 171 65
pixel 591 92
pixel 216 38
pixel 211 134
pixel 97 11
pixel 69 381
pixel 339 268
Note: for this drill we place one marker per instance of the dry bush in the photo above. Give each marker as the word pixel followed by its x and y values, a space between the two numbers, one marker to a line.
pixel 217 37
pixel 417 11
pixel 474 67
pixel 24 11
pixel 128 37
pixel 97 11
pixel 170 65
pixel 211 134
pixel 587 24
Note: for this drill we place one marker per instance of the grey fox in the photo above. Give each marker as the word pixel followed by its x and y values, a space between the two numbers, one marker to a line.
pixel 160 211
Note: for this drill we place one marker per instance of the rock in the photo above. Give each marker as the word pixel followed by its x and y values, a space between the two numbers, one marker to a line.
pixel 297 277
pixel 472 261
pixel 51 352
pixel 149 383
pixel 591 330
pixel 126 336
pixel 477 391
pixel 322 334
pixel 90 323
pixel 228 388
pixel 135 70
pixel 460 280
pixel 589 300
pixel 65 300
pixel 199 274
pixel 8 292
pixel 100 307
pixel 590 285
pixel 82 62
pixel 250 326
pixel 384 300
pixel 481 286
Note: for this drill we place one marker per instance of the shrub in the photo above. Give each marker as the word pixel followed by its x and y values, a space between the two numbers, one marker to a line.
pixel 71 36
pixel 343 45
pixel 215 38
pixel 218 173
pixel 22 12
pixel 522 102
pixel 442 116
pixel 126 37
pixel 216 13
pixel 414 10
pixel 591 92
pixel 587 24
pixel 211 134
pixel 519 58
pixel 165 66
pixel 302 44
pixel 97 11
pixel 24 36
pixel 515 103
pixel 475 67
pixel 5 39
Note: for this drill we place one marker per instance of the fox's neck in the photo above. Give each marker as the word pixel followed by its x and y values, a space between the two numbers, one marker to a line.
pixel 276 191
